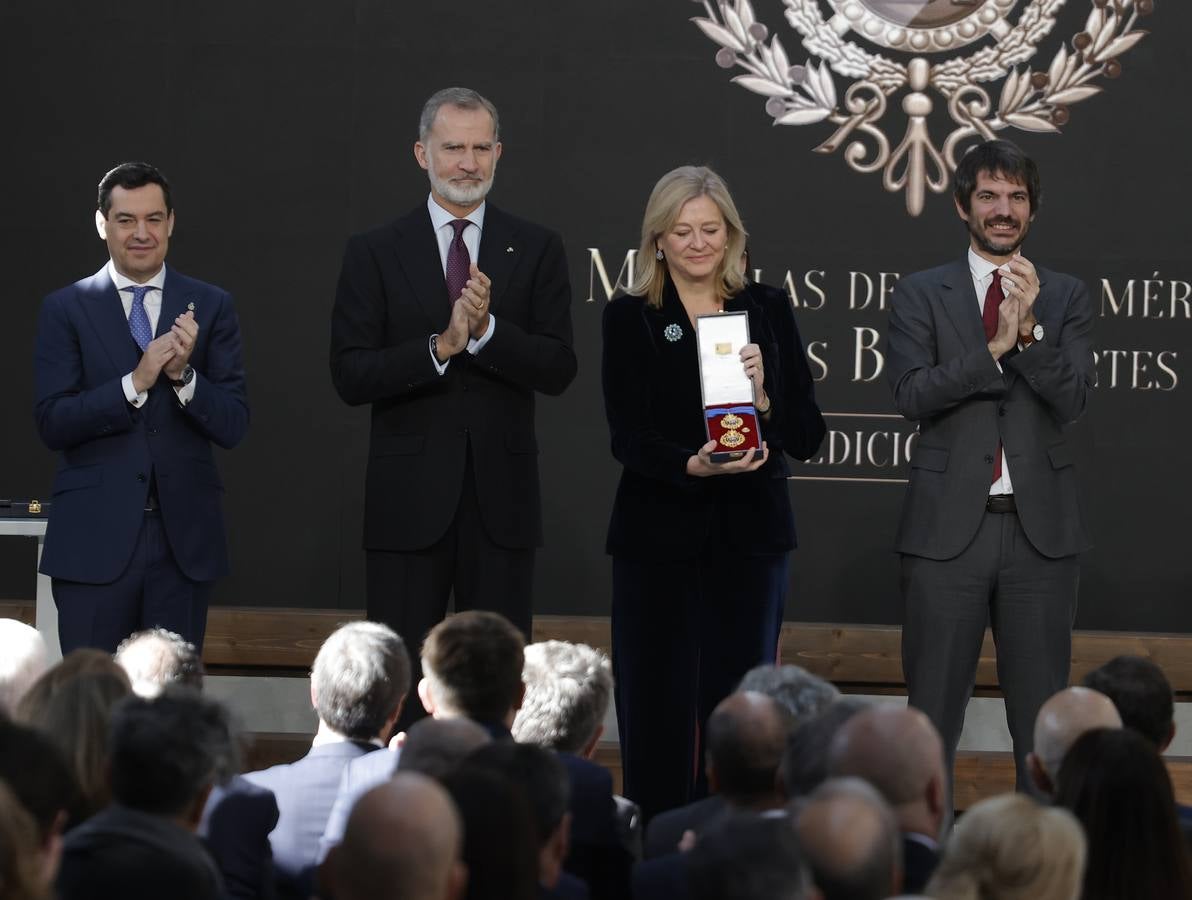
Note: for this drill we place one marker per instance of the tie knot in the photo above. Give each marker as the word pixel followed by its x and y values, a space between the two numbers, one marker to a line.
pixel 138 292
pixel 459 225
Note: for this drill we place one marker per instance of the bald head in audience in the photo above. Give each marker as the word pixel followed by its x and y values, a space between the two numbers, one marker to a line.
pixel 898 751
pixel 851 839
pixel 745 738
pixel 403 842
pixel 1061 720
pixel 23 659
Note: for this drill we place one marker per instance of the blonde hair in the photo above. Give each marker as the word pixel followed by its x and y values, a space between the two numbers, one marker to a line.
pixel 675 188
pixel 1011 848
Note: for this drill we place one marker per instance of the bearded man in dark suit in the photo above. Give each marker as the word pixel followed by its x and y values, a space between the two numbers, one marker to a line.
pixel 448 321
pixel 990 355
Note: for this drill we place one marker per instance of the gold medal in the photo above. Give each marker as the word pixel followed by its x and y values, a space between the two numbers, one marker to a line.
pixel 732 439
pixel 732 422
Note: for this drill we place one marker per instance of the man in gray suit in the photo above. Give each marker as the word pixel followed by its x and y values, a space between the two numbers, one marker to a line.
pixel 990 355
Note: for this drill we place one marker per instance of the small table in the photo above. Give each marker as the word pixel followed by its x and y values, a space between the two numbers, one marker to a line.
pixel 46 616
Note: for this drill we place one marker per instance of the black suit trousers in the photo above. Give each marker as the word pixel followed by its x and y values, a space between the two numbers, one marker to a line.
pixel 410 590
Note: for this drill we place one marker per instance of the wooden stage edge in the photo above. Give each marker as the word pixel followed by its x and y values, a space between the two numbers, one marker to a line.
pixel 857 658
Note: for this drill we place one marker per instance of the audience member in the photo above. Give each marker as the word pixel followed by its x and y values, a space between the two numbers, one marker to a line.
pixel 851 841
pixel 805 760
pixel 156 657
pixel 1061 720
pixel 26 870
pixel 165 755
pixel 746 737
pixel 1143 698
pixel 500 850
pixel 1117 786
pixel 23 659
pixel 358 683
pixel 403 841
pixel 71 704
pixel 434 747
pixel 472 666
pixel 802 693
pixel 567 691
pixel 542 776
pixel 749 857
pixel 898 751
pixel 38 776
pixel 1011 848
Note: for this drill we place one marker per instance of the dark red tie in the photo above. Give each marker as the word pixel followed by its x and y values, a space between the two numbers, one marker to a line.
pixel 993 299
pixel 458 261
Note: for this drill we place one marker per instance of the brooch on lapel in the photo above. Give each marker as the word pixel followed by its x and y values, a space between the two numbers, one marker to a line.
pixel 672 332
pixel 191 306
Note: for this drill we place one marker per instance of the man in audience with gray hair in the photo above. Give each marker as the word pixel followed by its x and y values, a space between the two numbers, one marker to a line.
pixel 358 684
pixel 746 736
pixel 568 688
pixel 23 659
pixel 805 761
pixel 156 657
pixel 851 839
pixel 1061 720
pixel 802 693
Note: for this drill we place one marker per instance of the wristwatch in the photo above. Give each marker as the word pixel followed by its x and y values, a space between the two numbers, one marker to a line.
pixel 1035 334
pixel 188 375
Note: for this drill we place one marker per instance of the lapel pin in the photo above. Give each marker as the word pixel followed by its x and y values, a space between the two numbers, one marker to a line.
pixel 508 249
pixel 191 306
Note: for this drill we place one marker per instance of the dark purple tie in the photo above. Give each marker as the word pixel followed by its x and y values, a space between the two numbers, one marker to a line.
pixel 458 261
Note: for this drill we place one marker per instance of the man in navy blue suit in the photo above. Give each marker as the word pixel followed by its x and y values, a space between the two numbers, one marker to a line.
pixel 138 372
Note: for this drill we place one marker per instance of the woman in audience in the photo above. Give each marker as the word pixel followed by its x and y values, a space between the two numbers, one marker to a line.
pixel 26 869
pixel 1011 848
pixel 1117 785
pixel 71 704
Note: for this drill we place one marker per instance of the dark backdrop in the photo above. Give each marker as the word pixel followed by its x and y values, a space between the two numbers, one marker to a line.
pixel 286 125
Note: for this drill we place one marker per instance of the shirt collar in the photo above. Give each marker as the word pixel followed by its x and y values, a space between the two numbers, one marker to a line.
pixel 979 265
pixel 440 217
pixel 157 281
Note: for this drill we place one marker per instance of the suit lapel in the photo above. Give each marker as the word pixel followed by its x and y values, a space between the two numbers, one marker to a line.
pixel 418 253
pixel 499 252
pixel 174 300
pixel 961 304
pixel 101 303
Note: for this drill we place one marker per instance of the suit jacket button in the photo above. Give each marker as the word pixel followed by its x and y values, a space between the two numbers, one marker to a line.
pixel 1001 412
pixel 989 459
pixel 153 431
pixel 140 476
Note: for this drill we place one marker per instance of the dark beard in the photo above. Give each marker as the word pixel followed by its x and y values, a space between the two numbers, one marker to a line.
pixel 983 244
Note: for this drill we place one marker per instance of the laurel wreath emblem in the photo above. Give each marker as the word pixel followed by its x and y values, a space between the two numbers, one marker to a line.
pixel 805 93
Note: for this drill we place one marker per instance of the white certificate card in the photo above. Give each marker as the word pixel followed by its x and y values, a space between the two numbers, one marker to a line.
pixel 720 338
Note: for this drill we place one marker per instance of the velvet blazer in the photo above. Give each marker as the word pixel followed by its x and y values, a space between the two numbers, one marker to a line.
pixel 654 406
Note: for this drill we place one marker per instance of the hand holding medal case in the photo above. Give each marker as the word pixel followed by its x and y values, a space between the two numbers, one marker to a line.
pixel 730 417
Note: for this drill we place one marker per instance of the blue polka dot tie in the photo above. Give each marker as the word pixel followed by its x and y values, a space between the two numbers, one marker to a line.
pixel 138 319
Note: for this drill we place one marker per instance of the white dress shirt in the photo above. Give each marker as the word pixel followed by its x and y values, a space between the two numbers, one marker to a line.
pixel 982 271
pixel 153 311
pixel 440 220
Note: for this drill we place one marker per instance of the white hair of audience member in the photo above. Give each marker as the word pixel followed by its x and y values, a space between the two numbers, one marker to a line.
pixel 1061 721
pixel 1011 848
pixel 23 659
pixel 802 693
pixel 155 657
pixel 568 689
